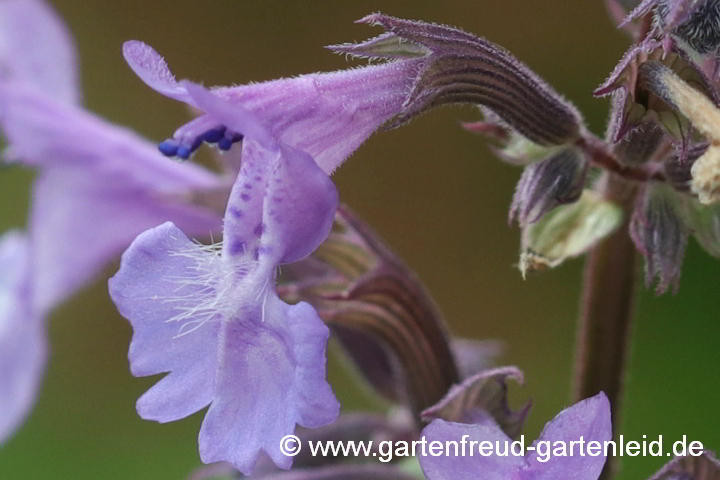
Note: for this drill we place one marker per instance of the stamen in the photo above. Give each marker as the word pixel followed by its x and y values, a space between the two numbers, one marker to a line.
pixel 191 136
pixel 208 288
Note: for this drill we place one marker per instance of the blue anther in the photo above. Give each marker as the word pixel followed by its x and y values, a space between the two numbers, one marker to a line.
pixel 183 151
pixel 228 140
pixel 224 144
pixel 214 135
pixel 168 148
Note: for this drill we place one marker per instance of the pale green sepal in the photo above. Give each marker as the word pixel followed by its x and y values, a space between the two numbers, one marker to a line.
pixel 704 222
pixel 568 231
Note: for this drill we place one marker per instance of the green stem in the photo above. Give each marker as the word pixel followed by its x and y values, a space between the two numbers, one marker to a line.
pixel 605 325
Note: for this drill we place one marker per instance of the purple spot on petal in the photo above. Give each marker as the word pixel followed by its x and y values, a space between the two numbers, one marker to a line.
pixel 245 196
pixel 247 186
pixel 237 247
pixel 259 229
pixel 235 212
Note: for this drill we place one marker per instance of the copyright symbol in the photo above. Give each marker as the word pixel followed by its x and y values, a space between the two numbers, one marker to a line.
pixel 290 445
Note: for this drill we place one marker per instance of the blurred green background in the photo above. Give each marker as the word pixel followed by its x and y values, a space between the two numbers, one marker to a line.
pixel 434 192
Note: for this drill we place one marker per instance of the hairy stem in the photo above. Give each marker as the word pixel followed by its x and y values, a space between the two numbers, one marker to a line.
pixel 601 156
pixel 605 325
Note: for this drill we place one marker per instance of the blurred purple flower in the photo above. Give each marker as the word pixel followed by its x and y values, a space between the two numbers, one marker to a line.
pixel 93 176
pixel 589 419
pixel 37 50
pixel 97 187
pixel 211 317
pixel 23 347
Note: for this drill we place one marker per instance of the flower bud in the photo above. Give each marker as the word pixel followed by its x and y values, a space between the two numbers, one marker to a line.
pixel 546 184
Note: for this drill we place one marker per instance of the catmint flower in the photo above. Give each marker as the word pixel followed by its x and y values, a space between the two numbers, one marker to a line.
pixel 211 317
pixel 23 347
pixel 330 114
pixel 589 419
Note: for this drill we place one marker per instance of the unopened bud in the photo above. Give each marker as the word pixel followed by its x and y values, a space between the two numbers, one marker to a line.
pixel 544 185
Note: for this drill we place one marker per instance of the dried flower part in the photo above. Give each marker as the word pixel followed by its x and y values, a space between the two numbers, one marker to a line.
pixel 545 185
pixel 705 117
pixel 461 68
pixel 660 234
pixel 636 102
pixel 379 311
pixel 481 398
pixel 702 467
pixel 704 221
pixel 567 232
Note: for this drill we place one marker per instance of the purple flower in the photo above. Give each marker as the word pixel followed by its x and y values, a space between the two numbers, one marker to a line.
pixel 328 115
pixel 97 187
pixel 37 50
pixel 94 177
pixel 211 316
pixel 588 420
pixel 23 347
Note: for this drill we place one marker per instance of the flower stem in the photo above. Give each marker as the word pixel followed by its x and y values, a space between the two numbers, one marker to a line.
pixel 605 325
